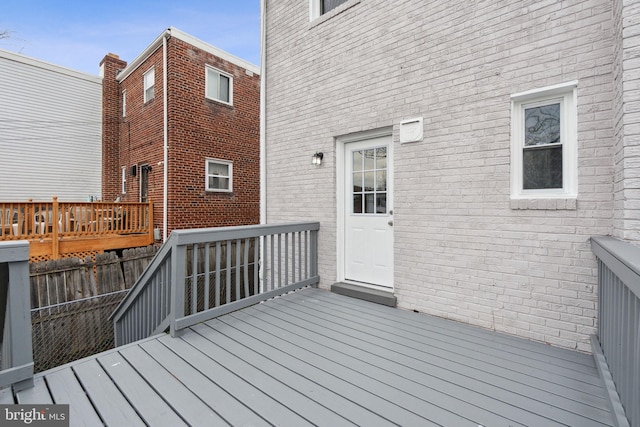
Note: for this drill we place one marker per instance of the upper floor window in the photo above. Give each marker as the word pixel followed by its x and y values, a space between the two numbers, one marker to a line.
pixel 328 5
pixel 219 175
pixel 544 153
pixel 149 84
pixel 124 103
pixel 318 8
pixel 219 85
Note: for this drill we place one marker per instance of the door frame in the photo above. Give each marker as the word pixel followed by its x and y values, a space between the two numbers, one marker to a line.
pixel 341 142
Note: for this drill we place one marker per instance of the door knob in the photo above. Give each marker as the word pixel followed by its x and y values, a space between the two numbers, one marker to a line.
pixel 390 223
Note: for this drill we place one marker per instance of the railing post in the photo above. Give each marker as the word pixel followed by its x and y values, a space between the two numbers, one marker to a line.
pixel 150 225
pixel 55 224
pixel 314 254
pixel 178 270
pixel 17 353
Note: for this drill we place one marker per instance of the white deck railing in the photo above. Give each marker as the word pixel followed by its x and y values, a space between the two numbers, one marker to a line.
pixel 203 273
pixel 619 323
pixel 17 357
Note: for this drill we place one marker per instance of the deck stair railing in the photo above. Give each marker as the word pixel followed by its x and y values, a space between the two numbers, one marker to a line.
pixel 203 273
pixel 16 363
pixel 618 339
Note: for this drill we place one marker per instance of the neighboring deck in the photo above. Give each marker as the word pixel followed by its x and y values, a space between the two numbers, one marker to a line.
pixel 316 358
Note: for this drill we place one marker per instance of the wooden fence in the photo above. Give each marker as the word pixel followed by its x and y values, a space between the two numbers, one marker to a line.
pixel 72 299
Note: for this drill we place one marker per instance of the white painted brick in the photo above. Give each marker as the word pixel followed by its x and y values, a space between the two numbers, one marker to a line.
pixel 463 250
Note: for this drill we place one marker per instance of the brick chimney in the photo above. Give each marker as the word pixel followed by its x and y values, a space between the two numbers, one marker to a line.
pixel 110 65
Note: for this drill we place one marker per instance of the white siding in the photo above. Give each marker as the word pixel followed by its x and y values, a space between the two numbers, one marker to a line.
pixel 50 131
pixel 463 250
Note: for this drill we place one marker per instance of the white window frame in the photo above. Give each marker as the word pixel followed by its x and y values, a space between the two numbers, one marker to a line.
pixel 149 82
pixel 124 180
pixel 315 8
pixel 565 94
pixel 227 163
pixel 124 103
pixel 208 69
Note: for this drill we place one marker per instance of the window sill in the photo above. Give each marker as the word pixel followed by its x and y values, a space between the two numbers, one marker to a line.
pixel 218 102
pixel 569 204
pixel 338 10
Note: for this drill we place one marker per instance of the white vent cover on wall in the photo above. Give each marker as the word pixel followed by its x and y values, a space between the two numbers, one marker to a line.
pixel 411 130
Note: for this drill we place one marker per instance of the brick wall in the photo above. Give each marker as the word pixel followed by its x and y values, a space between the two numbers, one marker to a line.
pixel 197 129
pixel 462 251
pixel 627 120
pixel 111 114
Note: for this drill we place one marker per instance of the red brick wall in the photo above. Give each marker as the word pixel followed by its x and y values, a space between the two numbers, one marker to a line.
pixel 111 115
pixel 198 129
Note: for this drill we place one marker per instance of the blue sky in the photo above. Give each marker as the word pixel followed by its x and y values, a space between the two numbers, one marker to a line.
pixel 78 33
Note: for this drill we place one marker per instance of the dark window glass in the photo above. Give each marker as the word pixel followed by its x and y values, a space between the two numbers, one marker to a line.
pixel 357 203
pixel 542 168
pixel 328 5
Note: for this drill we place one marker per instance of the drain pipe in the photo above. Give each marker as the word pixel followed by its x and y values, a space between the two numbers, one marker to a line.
pixel 263 116
pixel 165 194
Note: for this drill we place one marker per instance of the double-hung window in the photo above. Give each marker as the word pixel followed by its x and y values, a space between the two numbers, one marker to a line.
pixel 219 175
pixel 124 103
pixel 317 8
pixel 149 84
pixel 544 152
pixel 218 85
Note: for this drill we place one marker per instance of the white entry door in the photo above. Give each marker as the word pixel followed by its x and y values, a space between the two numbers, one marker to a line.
pixel 368 254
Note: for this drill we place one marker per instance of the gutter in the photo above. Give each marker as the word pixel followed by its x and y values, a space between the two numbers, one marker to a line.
pixel 165 120
pixel 263 115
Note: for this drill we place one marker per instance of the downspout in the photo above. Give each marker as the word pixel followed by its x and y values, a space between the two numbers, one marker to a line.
pixel 263 116
pixel 165 193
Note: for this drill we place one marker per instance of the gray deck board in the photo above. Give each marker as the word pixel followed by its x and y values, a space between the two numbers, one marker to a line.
pixel 151 407
pixel 497 382
pixel 164 381
pixel 112 406
pixel 230 409
pixel 316 358
pixel 39 394
pixel 65 389
pixel 6 397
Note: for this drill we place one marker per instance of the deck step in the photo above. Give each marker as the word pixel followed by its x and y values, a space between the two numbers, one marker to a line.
pixel 364 293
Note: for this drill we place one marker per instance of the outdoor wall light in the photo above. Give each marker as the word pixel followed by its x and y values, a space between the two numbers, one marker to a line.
pixel 317 159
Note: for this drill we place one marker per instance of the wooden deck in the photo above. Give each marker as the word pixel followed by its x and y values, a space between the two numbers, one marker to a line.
pixel 317 358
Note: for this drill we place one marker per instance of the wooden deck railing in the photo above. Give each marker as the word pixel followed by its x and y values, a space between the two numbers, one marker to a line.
pixel 53 223
pixel 203 273
pixel 16 363
pixel 618 339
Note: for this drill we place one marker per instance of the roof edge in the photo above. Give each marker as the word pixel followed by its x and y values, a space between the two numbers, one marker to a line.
pixel 181 35
pixel 27 60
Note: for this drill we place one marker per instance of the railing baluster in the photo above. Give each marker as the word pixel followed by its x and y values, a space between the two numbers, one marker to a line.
pixel 247 243
pixel 228 271
pixel 194 279
pixel 207 273
pixel 217 295
pixel 236 268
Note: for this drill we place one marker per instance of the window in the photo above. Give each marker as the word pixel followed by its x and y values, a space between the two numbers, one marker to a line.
pixel 317 8
pixel 149 84
pixel 219 175
pixel 544 153
pixel 369 181
pixel 328 5
pixel 124 180
pixel 219 86
pixel 124 103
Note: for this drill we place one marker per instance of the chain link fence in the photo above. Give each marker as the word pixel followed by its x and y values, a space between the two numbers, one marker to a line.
pixel 72 330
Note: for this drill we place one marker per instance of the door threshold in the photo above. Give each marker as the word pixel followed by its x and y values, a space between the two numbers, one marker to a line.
pixel 365 293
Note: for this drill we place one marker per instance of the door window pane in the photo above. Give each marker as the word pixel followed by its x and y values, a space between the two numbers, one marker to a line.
pixel 381 158
pixel 357 203
pixel 368 160
pixel 357 161
pixel 369 200
pixel 369 181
